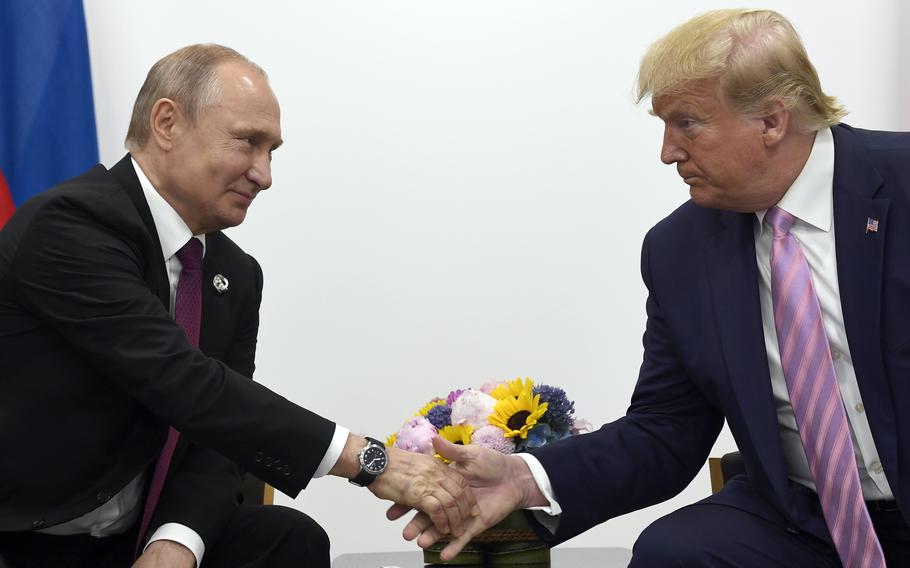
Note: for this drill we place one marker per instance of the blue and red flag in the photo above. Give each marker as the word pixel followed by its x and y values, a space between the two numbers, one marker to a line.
pixel 47 118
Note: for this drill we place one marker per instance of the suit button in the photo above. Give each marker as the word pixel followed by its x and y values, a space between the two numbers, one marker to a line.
pixel 103 496
pixel 260 456
pixel 38 524
pixel 287 472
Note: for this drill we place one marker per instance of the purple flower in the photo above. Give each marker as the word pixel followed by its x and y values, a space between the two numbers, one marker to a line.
pixel 440 416
pixel 453 396
pixel 559 408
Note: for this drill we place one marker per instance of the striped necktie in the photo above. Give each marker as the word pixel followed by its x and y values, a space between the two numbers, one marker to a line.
pixel 815 396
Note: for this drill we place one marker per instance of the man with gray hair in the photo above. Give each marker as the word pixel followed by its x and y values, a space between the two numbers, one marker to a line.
pixel 779 300
pixel 128 326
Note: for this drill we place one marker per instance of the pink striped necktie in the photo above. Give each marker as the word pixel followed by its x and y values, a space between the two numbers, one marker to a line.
pixel 815 396
pixel 188 313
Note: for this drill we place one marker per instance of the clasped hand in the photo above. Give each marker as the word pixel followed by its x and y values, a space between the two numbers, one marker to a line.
pixel 500 484
pixel 418 481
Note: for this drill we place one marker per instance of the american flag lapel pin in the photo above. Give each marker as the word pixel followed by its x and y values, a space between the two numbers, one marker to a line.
pixel 871 225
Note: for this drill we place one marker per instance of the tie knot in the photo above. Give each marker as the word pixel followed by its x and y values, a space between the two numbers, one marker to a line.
pixel 780 221
pixel 190 254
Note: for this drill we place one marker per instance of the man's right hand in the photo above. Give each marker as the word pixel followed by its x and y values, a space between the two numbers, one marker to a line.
pixel 416 481
pixel 501 484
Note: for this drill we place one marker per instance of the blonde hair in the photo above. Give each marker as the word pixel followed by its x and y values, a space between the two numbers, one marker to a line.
pixel 757 58
pixel 186 76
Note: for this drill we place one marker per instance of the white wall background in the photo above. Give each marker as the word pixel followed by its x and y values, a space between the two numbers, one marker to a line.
pixel 462 194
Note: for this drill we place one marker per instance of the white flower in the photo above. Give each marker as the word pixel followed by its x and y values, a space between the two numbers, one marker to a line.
pixel 473 407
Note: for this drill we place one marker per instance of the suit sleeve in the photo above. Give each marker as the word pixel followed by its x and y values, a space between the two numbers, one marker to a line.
pixel 79 270
pixel 204 489
pixel 645 457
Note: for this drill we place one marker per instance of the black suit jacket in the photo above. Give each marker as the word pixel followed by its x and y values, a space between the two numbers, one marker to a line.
pixel 705 358
pixel 94 368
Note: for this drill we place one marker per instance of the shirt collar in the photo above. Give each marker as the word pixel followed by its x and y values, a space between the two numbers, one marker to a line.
pixel 809 198
pixel 173 232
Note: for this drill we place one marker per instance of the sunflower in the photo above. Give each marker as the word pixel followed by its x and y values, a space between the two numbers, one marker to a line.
pixel 457 434
pixel 426 408
pixel 390 441
pixel 518 415
pixel 512 389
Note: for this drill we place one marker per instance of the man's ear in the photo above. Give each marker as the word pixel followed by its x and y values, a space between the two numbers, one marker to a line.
pixel 165 123
pixel 775 124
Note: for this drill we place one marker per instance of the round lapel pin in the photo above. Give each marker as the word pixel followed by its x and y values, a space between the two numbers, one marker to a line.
pixel 220 283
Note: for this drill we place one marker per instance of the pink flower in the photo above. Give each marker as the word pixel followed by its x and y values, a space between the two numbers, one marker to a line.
pixel 417 436
pixel 473 407
pixel 490 386
pixel 492 437
pixel 581 426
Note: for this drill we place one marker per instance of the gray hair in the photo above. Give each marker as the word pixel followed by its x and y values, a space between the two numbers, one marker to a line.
pixel 186 76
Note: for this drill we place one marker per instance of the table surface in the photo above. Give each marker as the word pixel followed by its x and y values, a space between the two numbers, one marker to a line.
pixel 560 558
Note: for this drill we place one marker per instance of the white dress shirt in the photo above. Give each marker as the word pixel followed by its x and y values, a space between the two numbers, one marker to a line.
pixel 123 509
pixel 811 200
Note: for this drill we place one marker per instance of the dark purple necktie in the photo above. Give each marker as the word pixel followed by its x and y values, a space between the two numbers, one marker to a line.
pixel 187 312
pixel 815 396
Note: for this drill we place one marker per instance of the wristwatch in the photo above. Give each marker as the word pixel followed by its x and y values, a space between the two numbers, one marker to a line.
pixel 373 460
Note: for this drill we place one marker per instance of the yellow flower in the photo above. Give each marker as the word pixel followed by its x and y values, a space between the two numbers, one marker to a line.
pixel 390 441
pixel 518 415
pixel 426 408
pixel 458 434
pixel 512 389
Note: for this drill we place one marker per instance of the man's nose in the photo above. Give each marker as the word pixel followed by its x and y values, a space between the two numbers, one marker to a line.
pixel 670 151
pixel 261 171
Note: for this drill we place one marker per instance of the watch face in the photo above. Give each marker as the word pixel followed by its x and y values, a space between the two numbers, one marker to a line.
pixel 374 459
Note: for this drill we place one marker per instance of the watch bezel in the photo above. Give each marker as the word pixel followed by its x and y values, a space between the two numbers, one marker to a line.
pixel 366 475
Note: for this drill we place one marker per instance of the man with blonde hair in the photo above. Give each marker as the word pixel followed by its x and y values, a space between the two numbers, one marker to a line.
pixel 778 300
pixel 128 326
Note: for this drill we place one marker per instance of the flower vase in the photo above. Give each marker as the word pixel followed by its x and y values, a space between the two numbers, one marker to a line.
pixel 511 542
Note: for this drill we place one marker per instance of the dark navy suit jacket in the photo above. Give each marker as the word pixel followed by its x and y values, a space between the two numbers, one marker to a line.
pixel 705 359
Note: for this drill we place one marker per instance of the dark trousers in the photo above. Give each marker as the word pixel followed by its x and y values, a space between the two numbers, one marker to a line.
pixel 255 537
pixel 709 534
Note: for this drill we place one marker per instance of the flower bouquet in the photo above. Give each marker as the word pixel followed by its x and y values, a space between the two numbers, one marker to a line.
pixel 508 417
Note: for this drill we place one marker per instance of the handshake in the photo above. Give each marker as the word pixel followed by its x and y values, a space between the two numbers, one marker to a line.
pixel 477 489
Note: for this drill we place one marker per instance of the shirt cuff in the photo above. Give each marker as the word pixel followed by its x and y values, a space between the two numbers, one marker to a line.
pixel 334 452
pixel 548 516
pixel 181 534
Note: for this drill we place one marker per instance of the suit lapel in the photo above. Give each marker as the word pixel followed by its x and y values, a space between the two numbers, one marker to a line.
pixel 156 271
pixel 214 304
pixel 860 260
pixel 733 275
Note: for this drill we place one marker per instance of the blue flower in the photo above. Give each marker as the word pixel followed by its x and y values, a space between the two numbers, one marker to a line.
pixel 440 416
pixel 538 436
pixel 559 409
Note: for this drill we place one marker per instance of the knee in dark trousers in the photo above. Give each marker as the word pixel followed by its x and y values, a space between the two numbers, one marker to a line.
pixel 270 537
pixel 666 542
pixel 714 535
